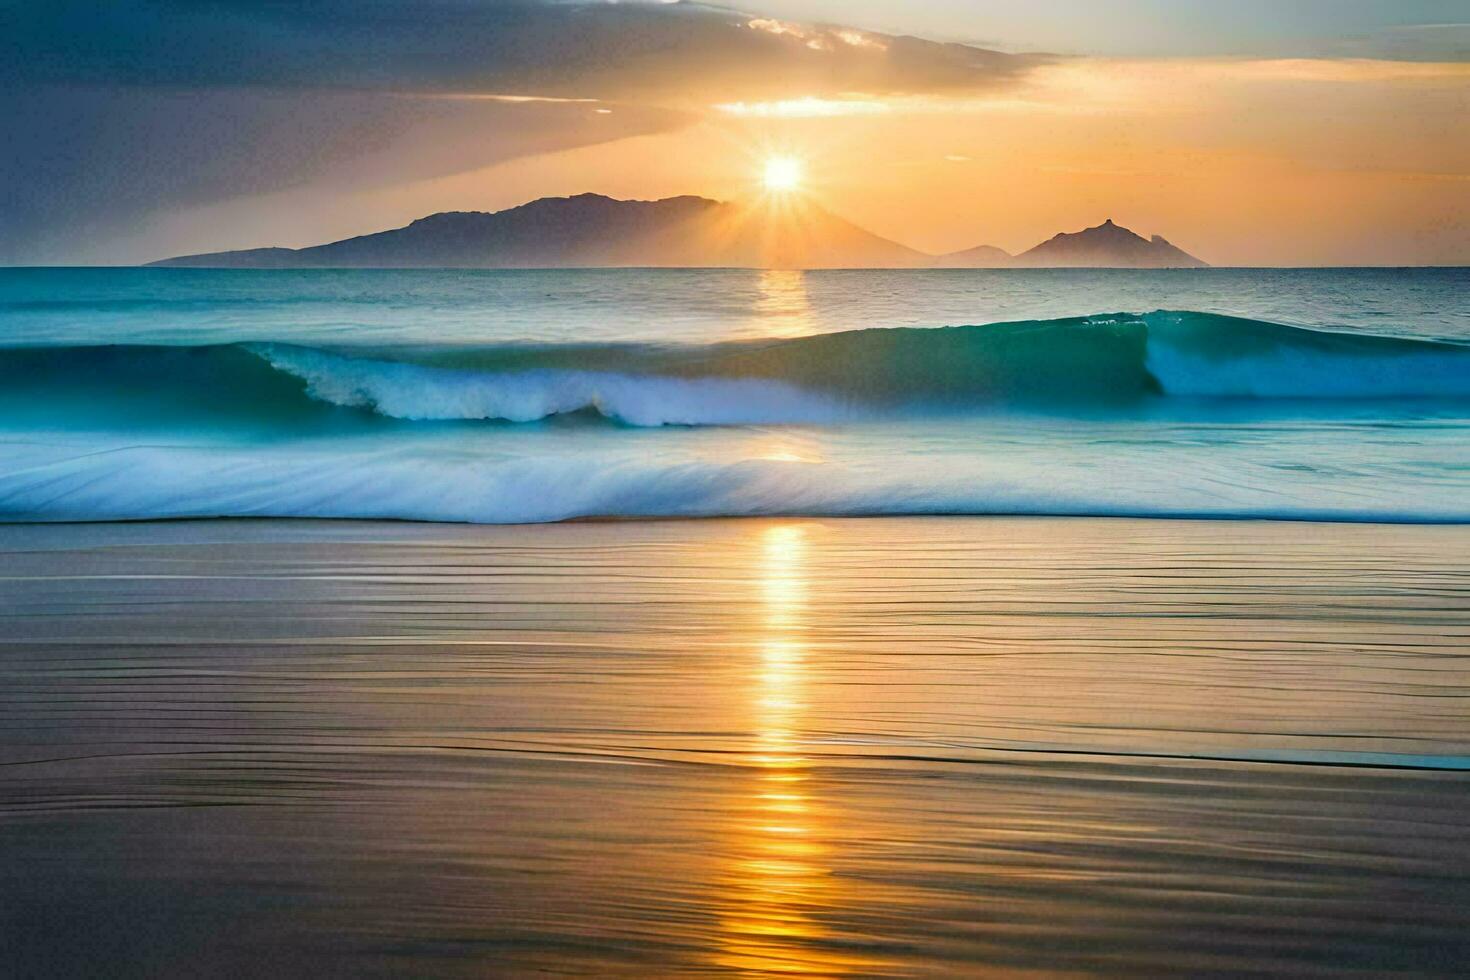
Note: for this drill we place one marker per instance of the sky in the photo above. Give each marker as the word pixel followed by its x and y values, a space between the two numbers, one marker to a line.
pixel 1289 132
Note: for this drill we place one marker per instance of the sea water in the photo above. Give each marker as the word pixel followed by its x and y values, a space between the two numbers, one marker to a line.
pixel 510 396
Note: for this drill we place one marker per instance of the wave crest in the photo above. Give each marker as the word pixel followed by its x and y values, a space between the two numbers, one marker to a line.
pixel 422 392
pixel 1104 360
pixel 1100 363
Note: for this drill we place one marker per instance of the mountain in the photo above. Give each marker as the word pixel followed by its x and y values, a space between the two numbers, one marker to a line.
pixel 591 230
pixel 1107 246
pixel 979 257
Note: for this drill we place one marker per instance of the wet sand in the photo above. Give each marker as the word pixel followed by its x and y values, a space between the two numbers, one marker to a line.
pixel 906 747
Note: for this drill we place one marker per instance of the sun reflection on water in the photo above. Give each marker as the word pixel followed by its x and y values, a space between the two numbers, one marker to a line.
pixel 780 881
pixel 781 306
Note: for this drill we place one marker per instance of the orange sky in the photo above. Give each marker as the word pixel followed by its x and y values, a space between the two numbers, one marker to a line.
pixel 1238 161
pixel 1239 158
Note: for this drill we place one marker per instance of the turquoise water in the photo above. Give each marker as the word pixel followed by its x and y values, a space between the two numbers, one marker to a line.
pixel 546 395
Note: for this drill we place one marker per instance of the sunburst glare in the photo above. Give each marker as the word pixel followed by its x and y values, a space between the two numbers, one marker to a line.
pixel 782 174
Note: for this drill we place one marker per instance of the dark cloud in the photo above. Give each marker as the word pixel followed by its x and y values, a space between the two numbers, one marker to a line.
pixel 119 110
pixel 85 163
pixel 603 49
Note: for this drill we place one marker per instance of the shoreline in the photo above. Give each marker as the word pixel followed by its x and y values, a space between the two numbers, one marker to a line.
pixel 774 516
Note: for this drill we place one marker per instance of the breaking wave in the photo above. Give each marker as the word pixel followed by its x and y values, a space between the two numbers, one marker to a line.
pixel 900 421
pixel 1114 360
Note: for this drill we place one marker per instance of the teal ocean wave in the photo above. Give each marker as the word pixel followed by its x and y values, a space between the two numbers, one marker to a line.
pixel 1164 414
pixel 1107 362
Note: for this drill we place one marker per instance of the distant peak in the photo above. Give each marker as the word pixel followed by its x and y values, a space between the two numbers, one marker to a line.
pixel 1111 229
pixel 1108 245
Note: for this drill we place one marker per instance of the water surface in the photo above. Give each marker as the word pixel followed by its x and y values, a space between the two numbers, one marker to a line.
pixel 498 397
pixel 916 747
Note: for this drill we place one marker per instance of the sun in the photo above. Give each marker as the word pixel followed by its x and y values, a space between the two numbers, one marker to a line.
pixel 782 174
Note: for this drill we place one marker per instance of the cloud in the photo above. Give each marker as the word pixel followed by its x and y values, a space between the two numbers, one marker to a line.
pixel 582 49
pixel 87 164
pixel 1413 42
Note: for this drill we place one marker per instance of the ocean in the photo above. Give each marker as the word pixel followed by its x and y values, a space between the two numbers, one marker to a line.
pixel 532 396
pixel 1029 722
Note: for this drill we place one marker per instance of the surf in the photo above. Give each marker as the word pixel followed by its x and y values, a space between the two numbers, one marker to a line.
pixel 1103 362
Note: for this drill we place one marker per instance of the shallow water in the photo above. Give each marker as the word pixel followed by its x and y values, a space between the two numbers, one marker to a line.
pixel 891 747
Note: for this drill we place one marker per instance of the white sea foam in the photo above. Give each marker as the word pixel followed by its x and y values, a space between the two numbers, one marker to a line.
pixel 419 392
pixel 78 482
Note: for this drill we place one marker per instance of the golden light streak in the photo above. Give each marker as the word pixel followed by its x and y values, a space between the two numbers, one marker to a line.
pixel 782 310
pixel 780 875
pixel 806 107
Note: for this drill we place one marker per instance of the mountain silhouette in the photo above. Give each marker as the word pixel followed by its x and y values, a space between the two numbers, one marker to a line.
pixel 979 257
pixel 590 230
pixel 594 231
pixel 1107 245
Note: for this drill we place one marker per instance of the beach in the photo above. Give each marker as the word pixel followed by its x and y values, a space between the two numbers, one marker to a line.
pixel 919 746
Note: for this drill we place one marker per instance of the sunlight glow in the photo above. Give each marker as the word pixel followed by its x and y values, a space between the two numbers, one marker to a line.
pixel 782 174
